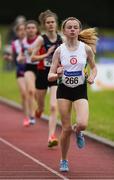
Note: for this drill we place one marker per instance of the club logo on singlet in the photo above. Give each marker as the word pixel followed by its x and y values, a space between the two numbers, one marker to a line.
pixel 73 61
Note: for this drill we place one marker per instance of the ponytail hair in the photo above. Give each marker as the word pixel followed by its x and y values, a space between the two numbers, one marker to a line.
pixel 90 37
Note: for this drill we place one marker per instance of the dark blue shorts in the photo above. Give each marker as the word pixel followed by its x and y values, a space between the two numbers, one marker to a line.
pixel 20 70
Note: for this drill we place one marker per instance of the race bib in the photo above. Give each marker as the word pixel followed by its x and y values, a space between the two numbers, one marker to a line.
pixel 48 61
pixel 73 78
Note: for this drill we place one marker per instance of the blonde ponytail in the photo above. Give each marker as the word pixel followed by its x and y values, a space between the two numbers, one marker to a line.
pixel 90 37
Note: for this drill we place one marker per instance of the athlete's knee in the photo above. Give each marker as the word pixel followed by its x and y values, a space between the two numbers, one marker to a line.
pixel 41 108
pixel 24 95
pixel 83 125
pixel 41 105
pixel 31 92
pixel 53 108
pixel 67 129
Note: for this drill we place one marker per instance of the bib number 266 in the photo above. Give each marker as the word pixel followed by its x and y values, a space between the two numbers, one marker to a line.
pixel 71 80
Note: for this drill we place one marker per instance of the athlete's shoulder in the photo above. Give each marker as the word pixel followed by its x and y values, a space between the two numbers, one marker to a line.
pixel 60 48
pixel 62 45
pixel 60 38
pixel 40 36
pixel 44 36
pixel 88 48
pixel 59 35
pixel 82 43
pixel 15 41
pixel 24 40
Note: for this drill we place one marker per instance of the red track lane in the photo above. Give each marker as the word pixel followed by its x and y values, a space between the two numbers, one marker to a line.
pixel 24 153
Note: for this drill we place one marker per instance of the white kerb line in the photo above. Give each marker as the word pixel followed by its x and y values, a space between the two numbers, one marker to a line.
pixel 33 159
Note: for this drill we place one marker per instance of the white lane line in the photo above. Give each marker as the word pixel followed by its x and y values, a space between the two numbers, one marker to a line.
pixel 33 159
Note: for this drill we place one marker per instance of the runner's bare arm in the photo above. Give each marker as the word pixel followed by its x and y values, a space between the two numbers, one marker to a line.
pixel 40 57
pixel 52 76
pixel 40 43
pixel 91 61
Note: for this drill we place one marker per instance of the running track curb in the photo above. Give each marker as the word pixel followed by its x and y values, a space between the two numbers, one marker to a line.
pixel 88 134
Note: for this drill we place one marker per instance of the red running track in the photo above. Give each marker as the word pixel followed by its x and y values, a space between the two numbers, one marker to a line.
pixel 24 153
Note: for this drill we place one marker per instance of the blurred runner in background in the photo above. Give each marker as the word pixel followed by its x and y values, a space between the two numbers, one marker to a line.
pixel 17 48
pixel 50 39
pixel 11 36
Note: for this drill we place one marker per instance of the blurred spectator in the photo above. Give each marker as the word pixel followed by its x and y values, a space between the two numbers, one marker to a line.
pixel 10 37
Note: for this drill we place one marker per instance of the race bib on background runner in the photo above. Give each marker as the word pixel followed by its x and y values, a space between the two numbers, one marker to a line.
pixel 48 61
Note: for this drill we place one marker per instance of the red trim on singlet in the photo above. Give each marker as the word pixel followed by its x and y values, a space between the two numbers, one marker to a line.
pixel 41 63
pixel 30 41
pixel 13 47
